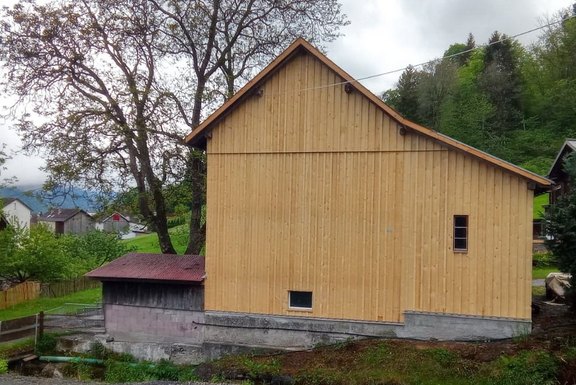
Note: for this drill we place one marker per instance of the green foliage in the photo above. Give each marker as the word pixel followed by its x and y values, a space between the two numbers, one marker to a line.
pixel 513 102
pixel 177 221
pixel 46 344
pixel 120 372
pixel 529 367
pixel 36 254
pixel 377 354
pixel 3 366
pixel 442 356
pixel 93 249
pixel 543 259
pixel 258 370
pixel 560 224
pixel 98 350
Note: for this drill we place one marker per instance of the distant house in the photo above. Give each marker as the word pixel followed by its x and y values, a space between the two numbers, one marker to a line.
pixel 16 212
pixel 68 221
pixel 115 223
pixel 557 172
pixel 153 297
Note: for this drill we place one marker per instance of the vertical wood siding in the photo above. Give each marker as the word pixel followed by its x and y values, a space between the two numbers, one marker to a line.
pixel 314 189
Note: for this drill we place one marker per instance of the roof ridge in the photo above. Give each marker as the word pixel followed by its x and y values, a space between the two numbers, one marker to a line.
pixel 197 137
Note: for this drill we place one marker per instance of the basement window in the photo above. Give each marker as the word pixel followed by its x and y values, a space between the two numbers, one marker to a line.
pixel 300 300
pixel 460 233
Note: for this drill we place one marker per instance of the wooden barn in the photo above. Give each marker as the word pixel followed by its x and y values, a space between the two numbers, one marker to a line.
pixel 67 221
pixel 323 203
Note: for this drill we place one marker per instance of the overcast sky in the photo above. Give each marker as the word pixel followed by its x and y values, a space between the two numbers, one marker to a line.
pixel 385 35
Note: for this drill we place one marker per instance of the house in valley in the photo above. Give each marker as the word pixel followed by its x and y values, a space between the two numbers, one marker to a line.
pixel 325 205
pixel 67 221
pixel 115 223
pixel 16 212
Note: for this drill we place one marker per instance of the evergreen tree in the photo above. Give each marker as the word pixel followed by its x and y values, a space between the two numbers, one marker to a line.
pixel 560 225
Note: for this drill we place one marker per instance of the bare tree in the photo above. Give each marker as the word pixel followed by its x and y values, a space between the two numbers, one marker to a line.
pixel 225 41
pixel 89 69
pixel 115 85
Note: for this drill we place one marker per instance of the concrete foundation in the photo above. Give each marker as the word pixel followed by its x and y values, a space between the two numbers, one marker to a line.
pixel 194 337
pixel 441 326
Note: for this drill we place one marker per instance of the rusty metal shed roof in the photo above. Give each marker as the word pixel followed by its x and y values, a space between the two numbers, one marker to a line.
pixel 153 267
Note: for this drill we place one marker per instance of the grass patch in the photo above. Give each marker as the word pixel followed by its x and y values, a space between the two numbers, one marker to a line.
pixel 538 291
pixel 13 348
pixel 542 272
pixel 149 243
pixel 538 205
pixel 28 308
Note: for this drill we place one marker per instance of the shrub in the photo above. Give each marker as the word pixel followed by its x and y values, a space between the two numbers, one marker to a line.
pixel 543 260
pixel 46 344
pixel 3 366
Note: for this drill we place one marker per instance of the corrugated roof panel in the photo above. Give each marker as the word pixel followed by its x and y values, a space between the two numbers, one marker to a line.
pixel 153 267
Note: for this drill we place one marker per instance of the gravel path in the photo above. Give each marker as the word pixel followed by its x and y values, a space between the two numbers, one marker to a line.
pixel 12 379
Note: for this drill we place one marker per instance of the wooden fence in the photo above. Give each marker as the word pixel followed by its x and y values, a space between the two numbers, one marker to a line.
pixel 20 293
pixel 58 289
pixel 22 327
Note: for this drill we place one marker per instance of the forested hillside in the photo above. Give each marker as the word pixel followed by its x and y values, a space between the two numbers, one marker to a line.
pixel 515 102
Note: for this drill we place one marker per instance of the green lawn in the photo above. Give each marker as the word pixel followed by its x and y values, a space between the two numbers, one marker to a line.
pixel 542 272
pixel 539 202
pixel 149 243
pixel 24 309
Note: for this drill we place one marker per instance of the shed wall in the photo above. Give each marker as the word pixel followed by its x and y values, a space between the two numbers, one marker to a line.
pixel 313 189
pixel 153 295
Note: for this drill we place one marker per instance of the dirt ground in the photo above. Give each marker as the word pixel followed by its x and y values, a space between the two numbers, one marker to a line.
pixel 554 326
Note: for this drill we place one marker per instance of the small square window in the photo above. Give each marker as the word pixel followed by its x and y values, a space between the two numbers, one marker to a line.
pixel 460 232
pixel 300 299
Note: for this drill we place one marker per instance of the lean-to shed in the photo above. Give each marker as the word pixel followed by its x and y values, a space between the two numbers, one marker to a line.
pixel 153 297
pixel 324 204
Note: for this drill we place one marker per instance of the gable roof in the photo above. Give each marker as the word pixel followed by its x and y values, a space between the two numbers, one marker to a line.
pixel 556 169
pixel 7 200
pixel 112 215
pixel 60 215
pixel 153 267
pixel 197 138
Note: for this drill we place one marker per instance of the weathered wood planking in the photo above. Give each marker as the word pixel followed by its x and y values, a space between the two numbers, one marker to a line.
pixel 157 295
pixel 311 188
pixel 17 328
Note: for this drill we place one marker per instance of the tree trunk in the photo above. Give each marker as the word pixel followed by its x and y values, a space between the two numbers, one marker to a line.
pixel 161 221
pixel 197 176
pixel 196 173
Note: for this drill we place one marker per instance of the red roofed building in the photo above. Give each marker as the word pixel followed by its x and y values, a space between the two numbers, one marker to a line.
pixel 153 298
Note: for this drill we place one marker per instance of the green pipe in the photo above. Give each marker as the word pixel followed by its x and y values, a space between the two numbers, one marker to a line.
pixel 78 360
pixel 75 360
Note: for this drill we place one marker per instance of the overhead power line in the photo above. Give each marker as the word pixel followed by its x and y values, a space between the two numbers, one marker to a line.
pixel 445 57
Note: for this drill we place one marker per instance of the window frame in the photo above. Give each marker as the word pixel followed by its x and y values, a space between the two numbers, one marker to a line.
pixel 300 308
pixel 456 238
